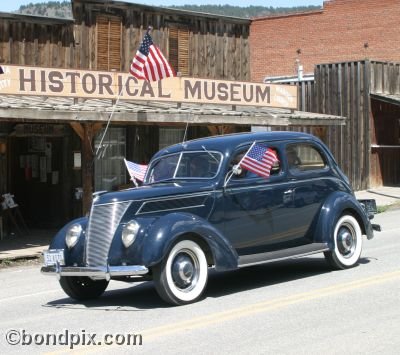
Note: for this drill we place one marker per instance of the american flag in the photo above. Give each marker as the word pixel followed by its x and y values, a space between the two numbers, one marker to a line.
pixel 149 63
pixel 259 160
pixel 136 171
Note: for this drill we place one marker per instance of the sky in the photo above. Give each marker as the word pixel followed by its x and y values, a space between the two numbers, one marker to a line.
pixel 13 5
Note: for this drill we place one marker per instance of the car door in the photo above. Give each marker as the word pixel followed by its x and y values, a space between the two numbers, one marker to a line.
pixel 256 217
pixel 309 184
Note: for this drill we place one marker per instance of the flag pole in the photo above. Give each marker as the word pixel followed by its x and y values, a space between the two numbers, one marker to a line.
pixel 149 29
pixel 238 164
pixel 108 122
pixel 244 156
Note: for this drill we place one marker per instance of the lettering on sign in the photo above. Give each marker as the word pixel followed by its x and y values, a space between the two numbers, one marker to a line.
pixel 23 80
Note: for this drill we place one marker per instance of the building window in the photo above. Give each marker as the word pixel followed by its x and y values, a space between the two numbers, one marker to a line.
pixel 109 167
pixel 108 43
pixel 170 136
pixel 179 49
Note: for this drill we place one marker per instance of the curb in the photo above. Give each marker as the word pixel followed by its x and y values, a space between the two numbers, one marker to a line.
pixel 19 256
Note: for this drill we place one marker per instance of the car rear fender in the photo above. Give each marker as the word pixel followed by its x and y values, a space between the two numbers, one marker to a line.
pixel 337 204
pixel 168 229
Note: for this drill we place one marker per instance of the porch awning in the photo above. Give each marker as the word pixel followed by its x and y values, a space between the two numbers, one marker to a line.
pixel 62 109
pixel 393 99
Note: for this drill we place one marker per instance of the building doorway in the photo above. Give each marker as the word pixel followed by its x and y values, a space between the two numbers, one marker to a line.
pixel 385 147
pixel 38 176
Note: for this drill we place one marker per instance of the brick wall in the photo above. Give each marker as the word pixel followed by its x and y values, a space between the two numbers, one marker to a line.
pixel 343 30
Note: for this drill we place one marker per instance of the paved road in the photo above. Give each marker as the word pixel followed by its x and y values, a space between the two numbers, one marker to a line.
pixel 291 307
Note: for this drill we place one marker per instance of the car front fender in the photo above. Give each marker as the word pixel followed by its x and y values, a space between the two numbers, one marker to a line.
pixel 168 229
pixel 76 254
pixel 334 206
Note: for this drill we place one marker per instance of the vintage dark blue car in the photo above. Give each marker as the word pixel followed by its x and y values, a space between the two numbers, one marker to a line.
pixel 200 208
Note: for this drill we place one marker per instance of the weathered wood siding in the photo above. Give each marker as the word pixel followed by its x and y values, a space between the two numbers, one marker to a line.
pixel 217 46
pixel 385 125
pixel 385 78
pixel 342 89
pixel 36 41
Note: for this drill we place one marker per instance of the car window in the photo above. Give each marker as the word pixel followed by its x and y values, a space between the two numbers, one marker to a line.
pixel 246 174
pixel 198 165
pixel 185 165
pixel 304 157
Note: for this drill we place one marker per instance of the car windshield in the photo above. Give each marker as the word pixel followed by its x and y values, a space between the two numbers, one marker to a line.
pixel 185 165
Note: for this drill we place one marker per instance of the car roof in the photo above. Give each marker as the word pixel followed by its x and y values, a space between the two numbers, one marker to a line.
pixel 229 142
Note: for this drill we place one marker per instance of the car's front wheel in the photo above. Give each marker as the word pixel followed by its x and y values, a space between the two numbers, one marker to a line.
pixel 82 287
pixel 181 277
pixel 347 243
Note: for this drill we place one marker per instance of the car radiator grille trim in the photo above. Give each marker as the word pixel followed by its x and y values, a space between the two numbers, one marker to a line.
pixel 103 222
pixel 185 202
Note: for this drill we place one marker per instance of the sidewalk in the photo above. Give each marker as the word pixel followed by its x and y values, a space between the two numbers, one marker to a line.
pixel 384 196
pixel 31 245
pixel 15 247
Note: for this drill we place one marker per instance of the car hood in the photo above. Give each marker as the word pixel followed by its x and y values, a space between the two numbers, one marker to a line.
pixel 153 191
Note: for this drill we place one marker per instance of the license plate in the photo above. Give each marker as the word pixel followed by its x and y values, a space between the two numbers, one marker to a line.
pixel 52 256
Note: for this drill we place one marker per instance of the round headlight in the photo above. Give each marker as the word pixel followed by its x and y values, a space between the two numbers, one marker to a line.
pixel 73 234
pixel 129 233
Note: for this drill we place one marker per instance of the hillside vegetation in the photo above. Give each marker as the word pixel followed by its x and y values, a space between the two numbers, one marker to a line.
pixel 63 9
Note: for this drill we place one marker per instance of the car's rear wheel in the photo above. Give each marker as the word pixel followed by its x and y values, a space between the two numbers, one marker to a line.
pixel 348 243
pixel 181 277
pixel 82 287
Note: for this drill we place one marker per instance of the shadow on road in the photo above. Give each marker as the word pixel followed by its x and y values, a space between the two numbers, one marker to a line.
pixel 142 296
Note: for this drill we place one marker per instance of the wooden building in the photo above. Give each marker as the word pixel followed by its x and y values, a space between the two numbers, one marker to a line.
pixel 49 137
pixel 367 93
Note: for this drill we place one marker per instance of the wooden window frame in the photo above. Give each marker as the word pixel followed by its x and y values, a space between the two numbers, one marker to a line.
pixel 178 48
pixel 110 43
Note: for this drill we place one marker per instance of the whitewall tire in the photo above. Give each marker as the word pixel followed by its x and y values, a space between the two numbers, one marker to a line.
pixel 181 277
pixel 347 239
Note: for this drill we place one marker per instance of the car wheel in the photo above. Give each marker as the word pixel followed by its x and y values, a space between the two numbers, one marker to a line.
pixel 347 237
pixel 82 287
pixel 181 277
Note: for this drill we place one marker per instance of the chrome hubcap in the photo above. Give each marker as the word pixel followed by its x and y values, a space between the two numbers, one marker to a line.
pixel 346 241
pixel 185 270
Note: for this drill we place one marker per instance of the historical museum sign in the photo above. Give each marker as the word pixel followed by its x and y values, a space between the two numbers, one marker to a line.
pixel 23 80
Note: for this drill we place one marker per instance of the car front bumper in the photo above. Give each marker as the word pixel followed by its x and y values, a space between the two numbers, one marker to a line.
pixel 97 272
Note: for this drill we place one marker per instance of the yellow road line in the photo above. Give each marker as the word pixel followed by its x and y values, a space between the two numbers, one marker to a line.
pixel 240 312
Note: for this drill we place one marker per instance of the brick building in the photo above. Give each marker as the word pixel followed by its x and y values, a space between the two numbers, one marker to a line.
pixel 343 30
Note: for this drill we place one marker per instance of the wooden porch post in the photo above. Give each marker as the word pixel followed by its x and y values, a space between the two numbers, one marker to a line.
pixel 87 167
pixel 87 131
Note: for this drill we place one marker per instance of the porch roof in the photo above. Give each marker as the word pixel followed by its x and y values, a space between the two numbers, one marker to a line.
pixel 389 98
pixel 63 109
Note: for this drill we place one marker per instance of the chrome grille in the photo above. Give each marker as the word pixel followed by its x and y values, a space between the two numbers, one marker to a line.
pixel 103 222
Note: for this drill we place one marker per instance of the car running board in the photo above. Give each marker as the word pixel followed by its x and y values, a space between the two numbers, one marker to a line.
pixel 296 252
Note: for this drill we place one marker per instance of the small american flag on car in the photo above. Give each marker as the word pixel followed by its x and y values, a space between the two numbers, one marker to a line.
pixel 136 171
pixel 259 160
